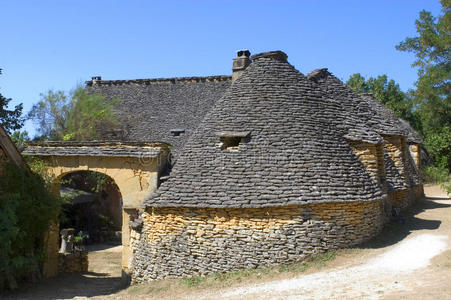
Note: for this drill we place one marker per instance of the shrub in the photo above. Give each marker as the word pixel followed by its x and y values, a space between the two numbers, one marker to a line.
pixel 438 175
pixel 26 211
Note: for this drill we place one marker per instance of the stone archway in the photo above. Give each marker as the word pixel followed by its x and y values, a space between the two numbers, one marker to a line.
pixel 135 168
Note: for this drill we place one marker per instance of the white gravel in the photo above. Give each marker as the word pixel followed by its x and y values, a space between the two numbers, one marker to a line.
pixel 371 280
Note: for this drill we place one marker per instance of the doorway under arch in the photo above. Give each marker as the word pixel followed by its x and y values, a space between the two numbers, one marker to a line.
pixel 92 208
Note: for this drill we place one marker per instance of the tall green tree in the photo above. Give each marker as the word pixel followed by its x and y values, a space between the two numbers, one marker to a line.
pixel 432 48
pixel 388 92
pixel 79 116
pixel 10 119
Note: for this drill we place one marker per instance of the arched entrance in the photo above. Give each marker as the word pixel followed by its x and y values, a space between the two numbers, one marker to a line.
pixel 92 210
pixel 92 205
pixel 134 167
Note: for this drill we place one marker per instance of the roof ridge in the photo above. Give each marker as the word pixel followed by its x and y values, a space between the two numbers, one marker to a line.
pixel 148 81
pixel 318 74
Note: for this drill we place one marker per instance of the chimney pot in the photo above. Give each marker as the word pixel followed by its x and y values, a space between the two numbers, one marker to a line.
pixel 240 63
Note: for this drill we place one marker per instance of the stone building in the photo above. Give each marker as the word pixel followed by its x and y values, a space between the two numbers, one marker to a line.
pixel 271 166
pixel 283 166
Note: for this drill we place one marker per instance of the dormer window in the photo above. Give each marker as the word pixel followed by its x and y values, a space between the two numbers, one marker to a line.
pixel 231 140
pixel 177 131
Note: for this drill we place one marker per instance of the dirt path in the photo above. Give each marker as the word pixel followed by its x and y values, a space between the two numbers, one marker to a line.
pixel 418 267
pixel 103 278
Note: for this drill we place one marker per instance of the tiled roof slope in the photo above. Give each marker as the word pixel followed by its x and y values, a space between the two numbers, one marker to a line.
pixel 382 118
pixel 103 149
pixel 150 108
pixel 371 112
pixel 412 135
pixel 294 154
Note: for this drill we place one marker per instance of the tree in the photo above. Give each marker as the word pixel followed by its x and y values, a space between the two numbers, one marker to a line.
pixel 10 119
pixel 388 92
pixel 432 48
pixel 20 138
pixel 79 116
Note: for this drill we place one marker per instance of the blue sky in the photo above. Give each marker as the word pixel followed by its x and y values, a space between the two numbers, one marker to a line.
pixel 57 44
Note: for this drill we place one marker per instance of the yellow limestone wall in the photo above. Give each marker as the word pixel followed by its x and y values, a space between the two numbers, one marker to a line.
pixel 371 157
pixel 136 178
pixel 179 242
pixel 414 150
pixel 396 147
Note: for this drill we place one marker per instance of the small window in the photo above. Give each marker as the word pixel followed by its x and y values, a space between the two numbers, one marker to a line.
pixel 231 140
pixel 177 131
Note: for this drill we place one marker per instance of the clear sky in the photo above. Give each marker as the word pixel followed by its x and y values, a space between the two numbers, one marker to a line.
pixel 56 44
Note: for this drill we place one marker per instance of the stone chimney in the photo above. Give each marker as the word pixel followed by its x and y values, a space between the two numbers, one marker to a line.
pixel 240 63
pixel 95 79
pixel 277 55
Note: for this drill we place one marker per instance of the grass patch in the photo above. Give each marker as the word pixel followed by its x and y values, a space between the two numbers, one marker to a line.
pixel 229 278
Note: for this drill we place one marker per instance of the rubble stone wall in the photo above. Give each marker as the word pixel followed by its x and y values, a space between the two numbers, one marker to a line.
pixel 399 199
pixel 183 242
pixel 73 262
pixel 415 193
pixel 415 151
pixel 372 158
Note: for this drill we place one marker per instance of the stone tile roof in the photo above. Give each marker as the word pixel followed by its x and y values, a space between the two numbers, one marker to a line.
pixel 364 109
pixel 294 152
pixel 412 136
pixel 394 179
pixel 150 108
pixel 109 149
pixel 382 119
pixel 353 114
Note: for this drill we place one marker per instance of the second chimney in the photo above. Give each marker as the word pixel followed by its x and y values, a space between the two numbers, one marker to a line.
pixel 240 63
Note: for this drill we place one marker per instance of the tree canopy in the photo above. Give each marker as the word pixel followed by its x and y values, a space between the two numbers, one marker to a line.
pixel 78 116
pixel 432 47
pixel 10 119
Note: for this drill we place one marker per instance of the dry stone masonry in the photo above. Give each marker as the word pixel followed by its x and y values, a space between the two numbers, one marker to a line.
pixel 319 168
pixel 196 241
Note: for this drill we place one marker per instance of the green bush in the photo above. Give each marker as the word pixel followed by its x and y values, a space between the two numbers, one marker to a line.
pixel 438 175
pixel 26 210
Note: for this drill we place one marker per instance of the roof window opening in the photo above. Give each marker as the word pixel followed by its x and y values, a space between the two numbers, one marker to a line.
pixel 231 140
pixel 177 131
pixel 231 143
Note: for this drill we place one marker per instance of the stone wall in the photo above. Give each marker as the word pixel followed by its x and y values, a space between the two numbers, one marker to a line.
pixel 180 242
pixel 372 158
pixel 73 262
pixel 415 194
pixel 396 147
pixel 399 199
pixel 415 151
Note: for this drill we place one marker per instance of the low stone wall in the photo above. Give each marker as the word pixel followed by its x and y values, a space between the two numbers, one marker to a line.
pixel 399 199
pixel 415 193
pixel 73 262
pixel 183 242
pixel 402 199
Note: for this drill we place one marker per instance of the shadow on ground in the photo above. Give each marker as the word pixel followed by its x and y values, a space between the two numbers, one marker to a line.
pixel 396 231
pixel 68 286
